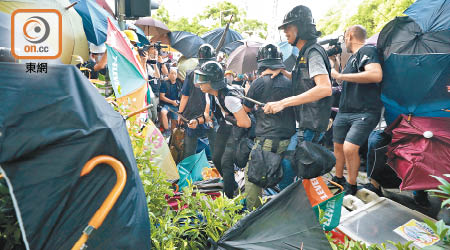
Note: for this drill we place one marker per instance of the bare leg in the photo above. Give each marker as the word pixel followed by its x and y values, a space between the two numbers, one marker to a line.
pixel 351 153
pixel 340 159
pixel 164 119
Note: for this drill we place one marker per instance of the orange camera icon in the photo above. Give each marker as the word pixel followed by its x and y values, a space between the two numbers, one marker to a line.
pixel 36 34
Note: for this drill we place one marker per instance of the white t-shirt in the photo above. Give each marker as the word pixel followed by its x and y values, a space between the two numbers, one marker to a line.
pixel 232 103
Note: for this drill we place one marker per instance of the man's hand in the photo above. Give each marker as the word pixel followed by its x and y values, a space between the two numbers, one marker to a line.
pixel 160 59
pixel 180 121
pixel 273 107
pixel 193 124
pixel 332 61
pixel 272 72
pixel 175 103
pixel 335 74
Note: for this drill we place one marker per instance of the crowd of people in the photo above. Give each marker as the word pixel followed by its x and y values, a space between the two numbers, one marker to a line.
pixel 273 107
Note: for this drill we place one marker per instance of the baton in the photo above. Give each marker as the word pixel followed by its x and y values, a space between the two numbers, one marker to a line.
pixel 182 117
pixel 126 117
pixel 250 100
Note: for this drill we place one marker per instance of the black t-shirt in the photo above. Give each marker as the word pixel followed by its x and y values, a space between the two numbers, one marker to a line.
pixel 277 126
pixel 171 91
pixel 361 97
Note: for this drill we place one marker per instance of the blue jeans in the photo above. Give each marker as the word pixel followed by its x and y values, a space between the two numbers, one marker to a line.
pixel 288 171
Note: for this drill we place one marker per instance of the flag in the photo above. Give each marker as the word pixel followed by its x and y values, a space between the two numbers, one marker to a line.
pixel 127 75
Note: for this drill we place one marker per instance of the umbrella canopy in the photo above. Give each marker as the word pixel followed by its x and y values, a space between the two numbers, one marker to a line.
pixel 417 87
pixel 152 27
pixel 45 142
pixel 243 59
pixel 373 39
pixel 105 6
pixel 232 46
pixel 213 37
pixel 126 72
pixel 190 169
pixel 420 147
pixel 417 61
pixel 140 33
pixel 185 42
pixel 290 54
pixel 285 222
pixel 73 35
pixel 95 20
pixel 185 65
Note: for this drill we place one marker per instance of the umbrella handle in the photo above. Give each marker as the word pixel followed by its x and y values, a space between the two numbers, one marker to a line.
pixel 334 183
pixel 100 215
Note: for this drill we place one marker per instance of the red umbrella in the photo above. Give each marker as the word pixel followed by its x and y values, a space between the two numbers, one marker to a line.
pixel 152 27
pixel 420 148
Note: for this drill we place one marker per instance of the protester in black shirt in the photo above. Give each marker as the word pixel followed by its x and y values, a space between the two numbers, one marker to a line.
pixel 360 105
pixel 270 128
pixel 170 99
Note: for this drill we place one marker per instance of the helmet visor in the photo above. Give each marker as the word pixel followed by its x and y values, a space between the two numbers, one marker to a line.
pixel 200 79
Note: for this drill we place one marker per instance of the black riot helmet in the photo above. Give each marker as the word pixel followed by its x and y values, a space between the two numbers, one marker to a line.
pixel 301 17
pixel 210 72
pixel 206 53
pixel 269 52
pixel 269 56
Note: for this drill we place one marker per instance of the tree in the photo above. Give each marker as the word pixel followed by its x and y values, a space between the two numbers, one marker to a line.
pixel 372 14
pixel 215 16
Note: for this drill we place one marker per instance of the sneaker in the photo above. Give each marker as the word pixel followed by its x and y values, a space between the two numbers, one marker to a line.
pixel 350 189
pixel 339 180
pixel 421 198
pixel 371 187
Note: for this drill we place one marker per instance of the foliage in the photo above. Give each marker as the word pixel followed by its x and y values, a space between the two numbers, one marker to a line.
pixel 443 190
pixel 189 228
pixel 10 235
pixel 372 14
pixel 215 16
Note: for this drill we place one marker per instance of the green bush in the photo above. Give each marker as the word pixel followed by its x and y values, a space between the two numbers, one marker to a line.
pixel 188 228
pixel 10 235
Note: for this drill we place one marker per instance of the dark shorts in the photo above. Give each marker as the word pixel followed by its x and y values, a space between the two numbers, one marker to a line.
pixel 354 127
pixel 170 114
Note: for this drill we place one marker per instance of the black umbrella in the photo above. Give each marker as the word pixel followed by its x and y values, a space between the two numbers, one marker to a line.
pixel 232 46
pixel 46 140
pixel 286 222
pixel 213 37
pixel 185 42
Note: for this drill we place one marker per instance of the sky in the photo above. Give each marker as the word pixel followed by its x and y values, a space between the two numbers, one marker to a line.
pixel 269 11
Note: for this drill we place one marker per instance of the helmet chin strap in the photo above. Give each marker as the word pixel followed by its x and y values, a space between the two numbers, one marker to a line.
pixel 297 38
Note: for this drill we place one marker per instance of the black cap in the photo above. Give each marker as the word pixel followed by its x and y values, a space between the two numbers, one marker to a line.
pixel 299 14
pixel 206 52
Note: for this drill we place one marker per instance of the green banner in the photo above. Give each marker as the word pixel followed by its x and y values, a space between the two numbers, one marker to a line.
pixel 332 211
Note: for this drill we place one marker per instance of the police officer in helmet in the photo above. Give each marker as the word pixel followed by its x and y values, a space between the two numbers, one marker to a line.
pixel 193 104
pixel 310 76
pixel 273 131
pixel 228 110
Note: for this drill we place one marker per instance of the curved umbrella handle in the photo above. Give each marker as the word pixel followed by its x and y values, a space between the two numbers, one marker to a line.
pixel 100 215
